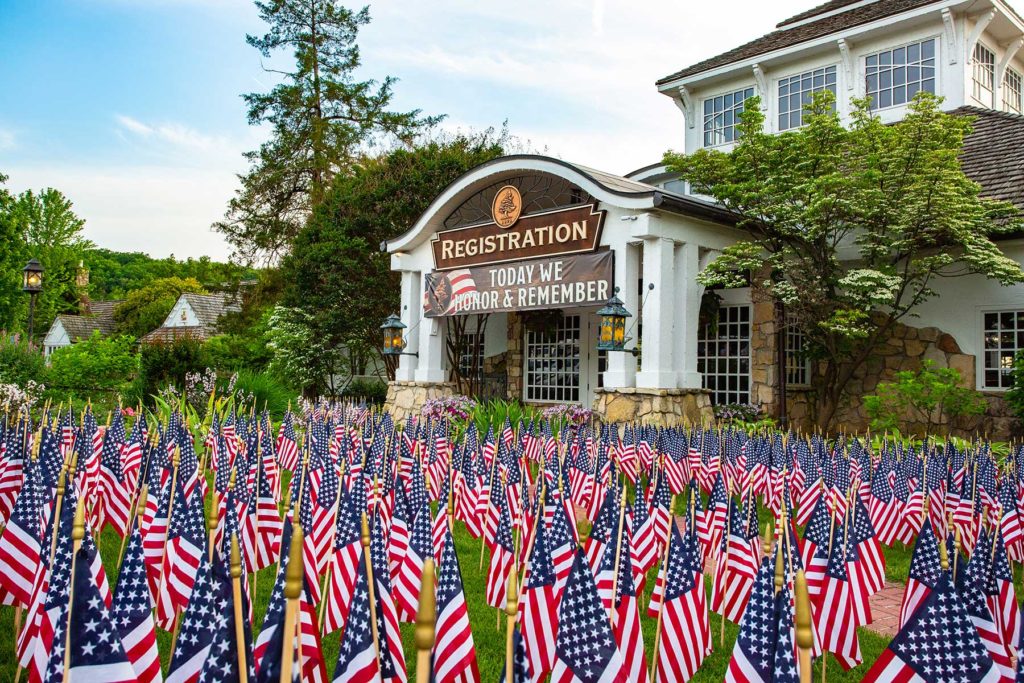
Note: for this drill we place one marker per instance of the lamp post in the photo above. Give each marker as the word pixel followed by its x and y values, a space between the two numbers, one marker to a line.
pixel 394 344
pixel 32 284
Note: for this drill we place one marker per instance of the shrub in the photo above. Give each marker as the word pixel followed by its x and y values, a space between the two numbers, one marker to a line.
pixel 1015 396
pixel 265 390
pixel 20 360
pixel 928 398
pixel 238 352
pixel 371 391
pixel 94 365
pixel 168 363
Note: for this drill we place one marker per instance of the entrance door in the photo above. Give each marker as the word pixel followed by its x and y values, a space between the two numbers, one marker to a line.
pixel 562 364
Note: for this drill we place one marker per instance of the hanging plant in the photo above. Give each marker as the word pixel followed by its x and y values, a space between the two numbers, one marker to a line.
pixel 710 302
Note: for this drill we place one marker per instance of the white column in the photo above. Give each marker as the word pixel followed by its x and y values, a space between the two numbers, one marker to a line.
pixel 431 365
pixel 688 296
pixel 621 370
pixel 410 311
pixel 657 371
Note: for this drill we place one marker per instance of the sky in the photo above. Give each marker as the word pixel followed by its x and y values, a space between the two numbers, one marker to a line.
pixel 133 108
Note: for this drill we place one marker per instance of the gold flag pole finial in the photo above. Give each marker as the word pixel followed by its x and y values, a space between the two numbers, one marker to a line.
pixel 943 554
pixel 780 568
pixel 212 518
pixel 292 593
pixel 426 616
pixel 804 637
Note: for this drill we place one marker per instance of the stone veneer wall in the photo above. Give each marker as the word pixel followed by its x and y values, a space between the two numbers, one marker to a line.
pixel 514 361
pixel 662 407
pixel 407 398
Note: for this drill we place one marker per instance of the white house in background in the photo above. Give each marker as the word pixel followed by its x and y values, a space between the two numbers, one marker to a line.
pixel 194 315
pixel 68 329
pixel 534 245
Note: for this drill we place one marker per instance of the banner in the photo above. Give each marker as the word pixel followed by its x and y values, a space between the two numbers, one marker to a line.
pixel 565 282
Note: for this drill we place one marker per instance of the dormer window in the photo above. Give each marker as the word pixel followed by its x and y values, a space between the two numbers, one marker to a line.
pixel 984 75
pixel 795 93
pixel 893 77
pixel 1012 92
pixel 721 114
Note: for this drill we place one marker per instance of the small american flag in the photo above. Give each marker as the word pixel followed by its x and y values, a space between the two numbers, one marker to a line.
pixel 454 653
pixel 357 655
pixel 132 613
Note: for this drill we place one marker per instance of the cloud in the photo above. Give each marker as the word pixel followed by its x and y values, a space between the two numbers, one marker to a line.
pixel 171 137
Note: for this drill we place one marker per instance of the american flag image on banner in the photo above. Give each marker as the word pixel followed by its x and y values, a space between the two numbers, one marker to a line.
pixel 445 293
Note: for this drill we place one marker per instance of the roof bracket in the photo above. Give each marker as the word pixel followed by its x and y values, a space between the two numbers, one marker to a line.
pixel 761 78
pixel 979 28
pixel 1011 50
pixel 947 20
pixel 848 62
pixel 684 100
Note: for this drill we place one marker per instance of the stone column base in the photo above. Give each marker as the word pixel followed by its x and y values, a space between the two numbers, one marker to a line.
pixel 662 407
pixel 407 398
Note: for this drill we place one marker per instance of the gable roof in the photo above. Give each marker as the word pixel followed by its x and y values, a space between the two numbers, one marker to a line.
pixel 210 307
pixel 100 318
pixel 993 156
pixel 788 35
pixel 162 335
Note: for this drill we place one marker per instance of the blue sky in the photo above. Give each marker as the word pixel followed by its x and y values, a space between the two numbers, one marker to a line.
pixel 133 107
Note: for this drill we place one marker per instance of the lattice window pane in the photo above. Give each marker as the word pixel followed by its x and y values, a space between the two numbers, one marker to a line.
pixel 722 114
pixel 984 74
pixel 553 363
pixel 795 93
pixel 798 365
pixel 472 353
pixel 1004 338
pixel 893 77
pixel 723 355
pixel 1012 90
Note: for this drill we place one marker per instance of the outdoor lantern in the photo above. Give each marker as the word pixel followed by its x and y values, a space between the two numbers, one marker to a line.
pixel 393 342
pixel 613 325
pixel 32 277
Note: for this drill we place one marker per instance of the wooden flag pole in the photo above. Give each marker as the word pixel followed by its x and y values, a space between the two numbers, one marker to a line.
pixel 212 520
pixel 236 591
pixel 77 534
pixel 661 605
pixel 804 637
pixel 365 540
pixel 292 593
pixel 618 555
pixel 511 607
pixel 426 615
pixel 138 509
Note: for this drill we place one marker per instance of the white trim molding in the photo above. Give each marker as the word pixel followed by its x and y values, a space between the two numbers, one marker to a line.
pixel 848 62
pixel 979 27
pixel 684 101
pixel 950 30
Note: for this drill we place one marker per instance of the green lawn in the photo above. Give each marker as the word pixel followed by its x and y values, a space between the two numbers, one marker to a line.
pixel 489 641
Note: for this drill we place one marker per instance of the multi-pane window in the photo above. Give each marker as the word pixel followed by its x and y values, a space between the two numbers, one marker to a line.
pixel 1004 338
pixel 798 365
pixel 721 114
pixel 1012 92
pixel 795 93
pixel 553 362
pixel 984 74
pixel 894 76
pixel 471 360
pixel 723 355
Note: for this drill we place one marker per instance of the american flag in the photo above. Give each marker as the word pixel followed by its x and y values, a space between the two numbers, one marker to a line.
pixel 538 606
pixel 626 614
pixel 357 656
pixel 836 617
pixel 186 544
pixel 938 644
pixel 883 511
pixel 96 653
pixel 132 612
pixel 686 631
pixel 972 581
pixel 454 654
pixel 21 542
pixel 344 569
pixel 392 658
pixel 562 540
pixel 398 534
pixel 222 661
pixel 502 559
pixel 753 655
pixel 410 574
pixel 206 612
pixel 287 444
pixel 1001 596
pixel 925 572
pixel 736 564
pixel 585 650
pixel 115 489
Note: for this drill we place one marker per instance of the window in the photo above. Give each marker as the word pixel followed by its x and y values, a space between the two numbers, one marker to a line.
pixel 553 362
pixel 723 355
pixel 677 186
pixel 984 74
pixel 721 114
pixel 1012 92
pixel 894 76
pixel 798 365
pixel 795 93
pixel 1004 337
pixel 472 354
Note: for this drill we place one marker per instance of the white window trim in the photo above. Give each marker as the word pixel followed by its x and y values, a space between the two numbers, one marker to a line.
pixel 1003 106
pixel 806 362
pixel 862 74
pixel 979 357
pixel 992 103
pixel 776 112
pixel 700 111
pixel 732 302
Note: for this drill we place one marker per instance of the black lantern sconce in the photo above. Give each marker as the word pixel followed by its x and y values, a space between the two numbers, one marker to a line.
pixel 394 343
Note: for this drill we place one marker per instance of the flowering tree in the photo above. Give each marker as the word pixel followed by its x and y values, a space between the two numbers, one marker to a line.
pixel 851 226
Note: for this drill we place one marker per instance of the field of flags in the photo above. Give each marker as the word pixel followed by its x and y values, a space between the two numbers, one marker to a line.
pixel 339 545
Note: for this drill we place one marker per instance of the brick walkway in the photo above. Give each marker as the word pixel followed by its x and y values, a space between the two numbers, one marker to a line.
pixel 885 609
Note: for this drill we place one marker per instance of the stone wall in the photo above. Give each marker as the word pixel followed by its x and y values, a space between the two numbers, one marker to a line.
pixel 662 407
pixel 407 398
pixel 514 361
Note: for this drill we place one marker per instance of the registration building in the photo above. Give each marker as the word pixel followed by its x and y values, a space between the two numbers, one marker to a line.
pixel 504 275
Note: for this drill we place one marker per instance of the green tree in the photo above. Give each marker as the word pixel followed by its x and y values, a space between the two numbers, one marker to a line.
pixel 96 364
pixel 146 309
pixel 113 274
pixel 319 116
pixel 892 197
pixel 302 357
pixel 12 252
pixel 337 272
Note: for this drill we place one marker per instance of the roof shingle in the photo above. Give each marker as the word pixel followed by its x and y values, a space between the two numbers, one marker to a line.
pixel 100 318
pixel 993 155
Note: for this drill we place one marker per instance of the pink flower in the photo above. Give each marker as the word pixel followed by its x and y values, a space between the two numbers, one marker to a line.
pixel 128 412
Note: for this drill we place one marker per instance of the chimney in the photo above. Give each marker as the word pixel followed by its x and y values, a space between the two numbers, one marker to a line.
pixel 82 285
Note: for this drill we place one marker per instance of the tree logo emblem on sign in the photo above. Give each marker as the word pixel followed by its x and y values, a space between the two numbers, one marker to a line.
pixel 507 206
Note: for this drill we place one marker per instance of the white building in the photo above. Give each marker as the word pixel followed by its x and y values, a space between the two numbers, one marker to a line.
pixel 658 237
pixel 67 329
pixel 194 315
